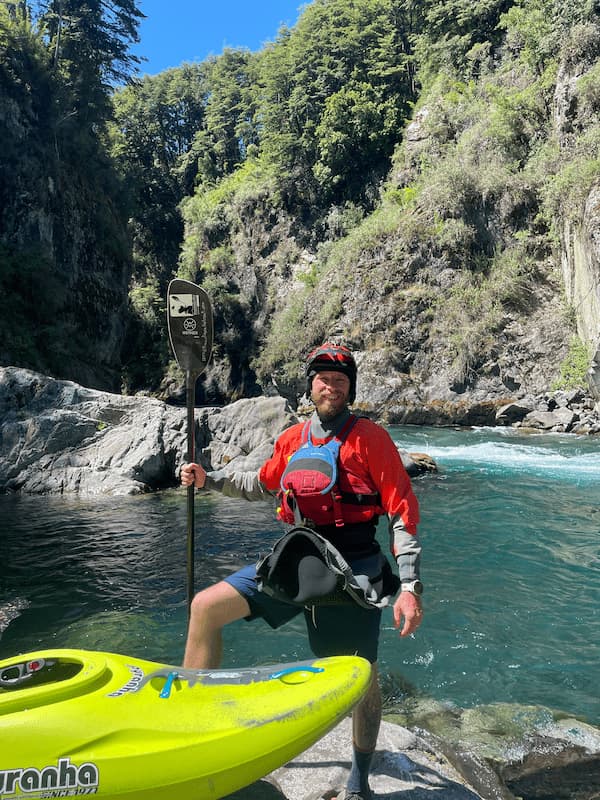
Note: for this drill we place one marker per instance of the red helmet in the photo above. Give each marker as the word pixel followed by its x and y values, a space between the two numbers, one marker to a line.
pixel 332 358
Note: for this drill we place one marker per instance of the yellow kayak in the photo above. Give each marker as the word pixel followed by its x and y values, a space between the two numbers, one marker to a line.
pixel 75 722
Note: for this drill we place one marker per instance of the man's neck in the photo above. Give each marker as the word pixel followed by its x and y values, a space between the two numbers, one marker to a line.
pixel 324 428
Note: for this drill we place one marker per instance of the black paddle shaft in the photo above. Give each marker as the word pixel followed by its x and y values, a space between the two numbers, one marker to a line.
pixel 190 323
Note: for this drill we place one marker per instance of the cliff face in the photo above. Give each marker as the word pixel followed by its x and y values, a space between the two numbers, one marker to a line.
pixel 64 254
pixel 443 330
pixel 581 272
pixel 580 233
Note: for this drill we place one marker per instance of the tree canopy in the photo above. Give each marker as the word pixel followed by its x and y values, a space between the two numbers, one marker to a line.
pixel 249 162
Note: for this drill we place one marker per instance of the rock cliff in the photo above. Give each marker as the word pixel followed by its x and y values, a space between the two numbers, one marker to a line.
pixel 580 235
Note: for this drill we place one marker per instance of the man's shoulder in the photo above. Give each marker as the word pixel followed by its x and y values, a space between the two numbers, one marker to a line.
pixel 366 424
pixel 291 433
pixel 371 431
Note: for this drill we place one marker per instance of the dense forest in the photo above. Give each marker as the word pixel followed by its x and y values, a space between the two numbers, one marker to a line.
pixel 398 173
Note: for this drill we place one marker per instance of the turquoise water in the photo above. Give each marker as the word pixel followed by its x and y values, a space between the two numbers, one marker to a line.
pixel 510 530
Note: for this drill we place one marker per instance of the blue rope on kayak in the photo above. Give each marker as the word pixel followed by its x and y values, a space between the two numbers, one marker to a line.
pixel 290 670
pixel 166 690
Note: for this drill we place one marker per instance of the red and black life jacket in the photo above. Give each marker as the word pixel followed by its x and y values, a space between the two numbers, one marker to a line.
pixel 310 490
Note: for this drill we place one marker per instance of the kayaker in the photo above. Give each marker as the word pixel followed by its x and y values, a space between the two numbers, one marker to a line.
pixel 372 482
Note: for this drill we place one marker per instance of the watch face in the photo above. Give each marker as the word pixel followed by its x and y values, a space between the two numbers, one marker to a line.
pixel 416 587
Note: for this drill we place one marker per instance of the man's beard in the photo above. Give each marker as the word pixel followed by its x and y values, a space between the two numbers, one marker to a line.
pixel 328 409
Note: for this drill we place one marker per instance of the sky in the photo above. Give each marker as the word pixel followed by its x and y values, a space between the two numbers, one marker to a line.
pixel 175 31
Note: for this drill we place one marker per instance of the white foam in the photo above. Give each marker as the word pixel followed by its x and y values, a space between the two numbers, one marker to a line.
pixel 542 457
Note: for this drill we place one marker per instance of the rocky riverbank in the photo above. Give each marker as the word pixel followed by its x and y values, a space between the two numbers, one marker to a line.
pixel 555 412
pixel 57 437
pixel 494 753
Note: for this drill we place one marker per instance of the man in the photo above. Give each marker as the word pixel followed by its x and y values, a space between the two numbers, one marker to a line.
pixel 372 481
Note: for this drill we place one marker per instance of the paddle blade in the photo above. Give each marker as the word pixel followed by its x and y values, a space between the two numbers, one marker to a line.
pixel 190 322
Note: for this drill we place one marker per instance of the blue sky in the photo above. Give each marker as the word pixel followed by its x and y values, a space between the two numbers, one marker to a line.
pixel 190 30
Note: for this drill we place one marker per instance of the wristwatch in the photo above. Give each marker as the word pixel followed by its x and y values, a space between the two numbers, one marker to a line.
pixel 416 587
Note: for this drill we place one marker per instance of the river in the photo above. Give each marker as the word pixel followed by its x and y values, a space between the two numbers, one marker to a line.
pixel 510 531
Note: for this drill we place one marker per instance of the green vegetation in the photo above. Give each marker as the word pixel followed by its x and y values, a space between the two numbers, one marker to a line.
pixel 407 159
pixel 574 368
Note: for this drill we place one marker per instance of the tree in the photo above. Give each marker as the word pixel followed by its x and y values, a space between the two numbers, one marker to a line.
pixel 229 125
pixel 345 67
pixel 89 41
pixel 450 32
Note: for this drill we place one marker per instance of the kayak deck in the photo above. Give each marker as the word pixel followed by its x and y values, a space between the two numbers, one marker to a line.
pixel 117 726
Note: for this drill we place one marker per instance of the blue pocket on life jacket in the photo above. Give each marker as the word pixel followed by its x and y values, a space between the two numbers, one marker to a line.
pixel 309 481
pixel 312 469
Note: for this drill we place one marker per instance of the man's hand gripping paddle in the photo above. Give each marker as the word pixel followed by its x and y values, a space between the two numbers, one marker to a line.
pixel 190 322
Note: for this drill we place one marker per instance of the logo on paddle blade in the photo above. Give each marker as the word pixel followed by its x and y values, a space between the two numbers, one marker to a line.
pixel 190 322
pixel 184 305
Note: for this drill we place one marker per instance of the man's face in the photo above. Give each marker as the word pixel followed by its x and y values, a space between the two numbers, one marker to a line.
pixel 329 393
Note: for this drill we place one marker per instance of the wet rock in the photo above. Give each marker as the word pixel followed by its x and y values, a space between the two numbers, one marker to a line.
pixel 10 610
pixel 512 412
pixel 506 751
pixel 417 463
pixel 563 763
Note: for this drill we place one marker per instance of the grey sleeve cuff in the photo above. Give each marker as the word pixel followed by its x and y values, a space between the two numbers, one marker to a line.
pixel 407 550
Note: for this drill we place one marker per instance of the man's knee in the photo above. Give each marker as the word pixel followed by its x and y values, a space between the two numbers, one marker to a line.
pixel 218 605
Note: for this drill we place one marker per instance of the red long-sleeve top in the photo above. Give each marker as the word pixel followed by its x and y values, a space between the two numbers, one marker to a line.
pixel 368 457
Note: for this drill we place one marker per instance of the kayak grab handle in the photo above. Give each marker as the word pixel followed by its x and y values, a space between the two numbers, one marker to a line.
pixel 290 670
pixel 166 690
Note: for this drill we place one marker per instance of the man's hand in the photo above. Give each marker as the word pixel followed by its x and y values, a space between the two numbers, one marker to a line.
pixel 193 474
pixel 407 606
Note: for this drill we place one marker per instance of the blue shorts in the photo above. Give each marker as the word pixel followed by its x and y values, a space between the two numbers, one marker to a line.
pixel 337 630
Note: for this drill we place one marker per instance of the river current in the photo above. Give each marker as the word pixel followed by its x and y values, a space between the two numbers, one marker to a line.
pixel 510 531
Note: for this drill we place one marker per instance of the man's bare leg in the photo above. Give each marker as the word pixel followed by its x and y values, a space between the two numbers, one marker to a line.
pixel 211 610
pixel 366 719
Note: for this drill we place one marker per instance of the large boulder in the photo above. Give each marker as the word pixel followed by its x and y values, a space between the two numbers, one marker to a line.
pixel 58 437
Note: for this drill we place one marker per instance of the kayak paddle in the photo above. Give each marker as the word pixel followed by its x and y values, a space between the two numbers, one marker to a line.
pixel 190 323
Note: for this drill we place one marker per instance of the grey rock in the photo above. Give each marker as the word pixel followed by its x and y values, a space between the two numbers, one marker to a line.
pixel 10 610
pixel 403 762
pixel 563 762
pixel 540 756
pixel 57 437
pixel 241 435
pixel 512 412
pixel 417 463
pixel 561 419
